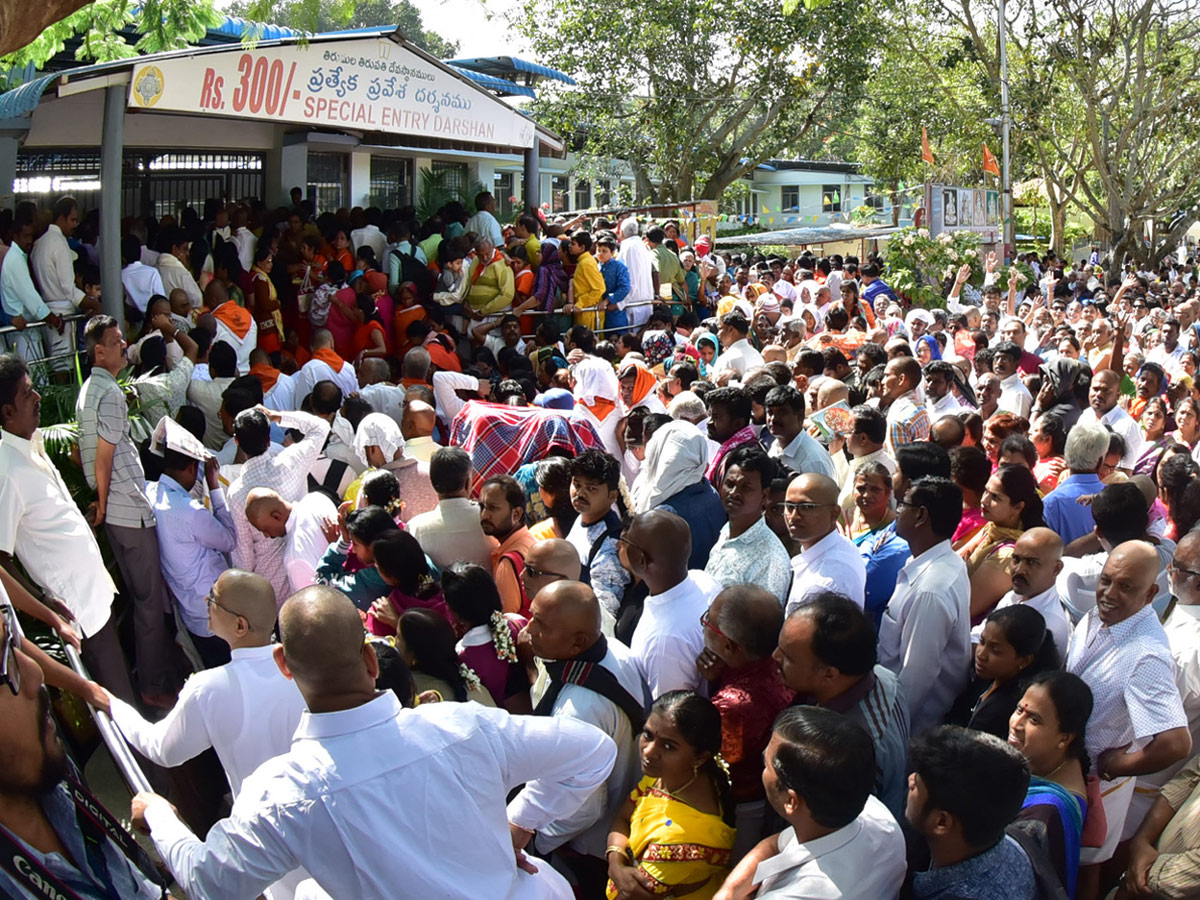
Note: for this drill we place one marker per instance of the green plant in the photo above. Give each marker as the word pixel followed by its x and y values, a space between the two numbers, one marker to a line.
pixel 918 265
pixel 864 215
pixel 438 189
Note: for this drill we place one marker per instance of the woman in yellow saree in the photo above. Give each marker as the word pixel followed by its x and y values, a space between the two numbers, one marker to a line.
pixel 673 837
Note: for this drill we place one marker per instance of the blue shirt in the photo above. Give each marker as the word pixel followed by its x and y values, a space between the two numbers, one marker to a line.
pixel 1066 517
pixel 875 289
pixel 700 506
pixel 616 281
pixel 192 543
pixel 1002 873
pixel 113 878
pixel 885 554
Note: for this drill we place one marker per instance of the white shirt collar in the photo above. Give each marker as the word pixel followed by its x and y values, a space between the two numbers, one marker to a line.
pixel 475 637
pixel 385 706
pixel 797 854
pixel 821 547
pixel 1186 609
pixel 252 652
pixel 663 599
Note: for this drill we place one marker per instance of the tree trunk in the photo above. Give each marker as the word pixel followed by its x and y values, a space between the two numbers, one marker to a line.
pixel 21 22
pixel 1058 227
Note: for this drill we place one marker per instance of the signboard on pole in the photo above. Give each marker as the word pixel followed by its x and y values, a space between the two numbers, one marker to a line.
pixel 963 209
pixel 364 84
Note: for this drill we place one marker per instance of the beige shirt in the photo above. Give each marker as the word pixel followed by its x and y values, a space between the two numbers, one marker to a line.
pixel 452 532
pixel 1176 873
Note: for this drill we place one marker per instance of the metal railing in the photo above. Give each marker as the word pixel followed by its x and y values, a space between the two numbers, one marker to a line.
pixel 43 364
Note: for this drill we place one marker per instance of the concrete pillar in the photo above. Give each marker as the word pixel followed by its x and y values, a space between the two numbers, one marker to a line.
pixel 112 150
pixel 10 144
pixel 360 178
pixel 532 177
pixel 293 168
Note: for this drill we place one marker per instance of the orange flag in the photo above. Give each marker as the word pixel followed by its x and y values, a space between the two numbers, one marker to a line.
pixel 989 162
pixel 926 153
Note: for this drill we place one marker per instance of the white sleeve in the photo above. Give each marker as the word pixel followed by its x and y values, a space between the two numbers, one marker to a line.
pixel 924 636
pixel 444 386
pixel 560 761
pixel 172 741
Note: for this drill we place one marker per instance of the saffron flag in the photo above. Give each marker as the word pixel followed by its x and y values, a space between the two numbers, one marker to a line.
pixel 926 153
pixel 989 162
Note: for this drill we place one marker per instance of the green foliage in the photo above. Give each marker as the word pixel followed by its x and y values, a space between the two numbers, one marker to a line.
pixel 437 189
pixel 159 24
pixel 918 265
pixel 701 91
pixel 317 16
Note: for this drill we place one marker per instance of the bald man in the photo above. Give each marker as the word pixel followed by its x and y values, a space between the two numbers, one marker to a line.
pixel 595 680
pixel 827 559
pixel 1104 409
pixel 325 365
pixel 1137 724
pixel 307 526
pixel 1035 564
pixel 417 426
pixel 741 633
pixel 359 757
pixel 549 561
pixel 668 636
pixel 908 420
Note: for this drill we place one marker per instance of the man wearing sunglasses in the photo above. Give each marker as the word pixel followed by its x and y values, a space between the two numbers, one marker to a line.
pixel 51 841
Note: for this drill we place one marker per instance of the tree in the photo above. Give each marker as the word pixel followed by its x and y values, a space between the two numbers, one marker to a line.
pixel 693 94
pixel 1107 102
pixel 31 33
pixel 316 16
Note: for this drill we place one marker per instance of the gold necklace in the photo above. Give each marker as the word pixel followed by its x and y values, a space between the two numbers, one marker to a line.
pixel 1050 777
pixel 674 795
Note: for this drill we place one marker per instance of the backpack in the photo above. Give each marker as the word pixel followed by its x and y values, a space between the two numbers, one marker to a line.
pixel 613 527
pixel 412 270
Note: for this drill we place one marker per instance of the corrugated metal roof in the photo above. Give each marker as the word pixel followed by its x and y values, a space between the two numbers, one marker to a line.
pixel 817 234
pixel 236 26
pixel 499 66
pixel 23 100
pixel 501 86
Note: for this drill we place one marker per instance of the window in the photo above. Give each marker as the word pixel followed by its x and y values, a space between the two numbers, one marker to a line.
pixel 560 191
pixel 583 193
pixel 453 176
pixel 327 180
pixel 875 201
pixel 503 191
pixel 831 198
pixel 604 197
pixel 390 182
pixel 789 198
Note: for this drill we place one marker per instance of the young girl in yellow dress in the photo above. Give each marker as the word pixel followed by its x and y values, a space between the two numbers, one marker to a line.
pixel 674 835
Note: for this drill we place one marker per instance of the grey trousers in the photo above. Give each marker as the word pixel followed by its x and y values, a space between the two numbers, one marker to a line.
pixel 106 663
pixel 136 550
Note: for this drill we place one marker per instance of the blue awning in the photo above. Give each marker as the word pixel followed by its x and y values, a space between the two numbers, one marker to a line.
pixel 502 66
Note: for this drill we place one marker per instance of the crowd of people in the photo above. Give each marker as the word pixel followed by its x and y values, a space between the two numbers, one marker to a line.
pixel 543 560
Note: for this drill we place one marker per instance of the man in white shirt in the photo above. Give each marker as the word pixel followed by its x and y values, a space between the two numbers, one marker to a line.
pixel 939 397
pixel 279 388
pixel 452 532
pixel 638 261
pixel 1014 396
pixel 42 527
pixel 1182 626
pixel 1138 725
pixel 417 424
pixel 595 680
pixel 793 445
pixel 173 265
pixel 375 388
pixel 1034 566
pixel 736 352
pixel 52 263
pixel 369 234
pixel 668 637
pixel 243 238
pixel 325 365
pixel 359 757
pixel 304 526
pixel 141 282
pixel 484 221
pixel 827 559
pixel 925 635
pixel 819 770
pixel 246 710
pixel 1103 408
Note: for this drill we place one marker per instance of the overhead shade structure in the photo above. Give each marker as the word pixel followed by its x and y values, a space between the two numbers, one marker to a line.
pixel 817 234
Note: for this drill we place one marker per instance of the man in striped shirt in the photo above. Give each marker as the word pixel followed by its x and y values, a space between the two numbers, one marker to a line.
pixel 907 420
pixel 846 678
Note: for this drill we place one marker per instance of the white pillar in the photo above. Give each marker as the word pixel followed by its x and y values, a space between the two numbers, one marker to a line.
pixel 112 149
pixel 360 178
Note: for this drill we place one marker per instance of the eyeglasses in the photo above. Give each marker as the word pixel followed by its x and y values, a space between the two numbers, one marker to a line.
pixel 711 625
pixel 212 600
pixel 1180 570
pixel 535 572
pixel 908 503
pixel 805 507
pixel 633 546
pixel 10 668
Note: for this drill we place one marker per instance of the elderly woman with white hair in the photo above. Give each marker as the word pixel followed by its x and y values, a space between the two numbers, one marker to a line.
pixel 380 445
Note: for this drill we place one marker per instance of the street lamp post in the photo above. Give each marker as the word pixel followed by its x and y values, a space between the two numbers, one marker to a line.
pixel 1006 207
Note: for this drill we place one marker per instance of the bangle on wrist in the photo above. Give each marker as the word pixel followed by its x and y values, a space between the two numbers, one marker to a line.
pixel 613 848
